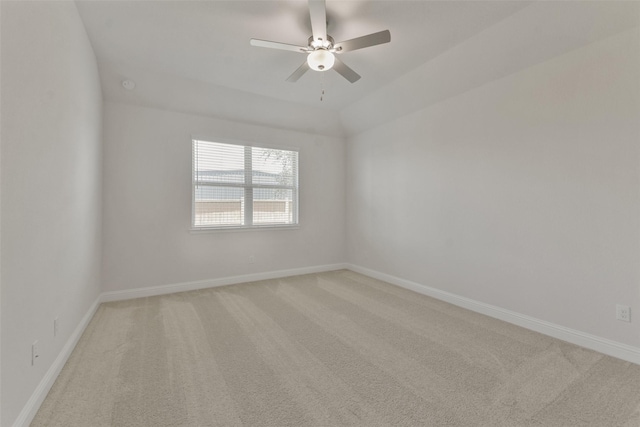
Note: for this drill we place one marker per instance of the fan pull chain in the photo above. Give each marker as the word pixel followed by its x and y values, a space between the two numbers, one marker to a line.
pixel 321 86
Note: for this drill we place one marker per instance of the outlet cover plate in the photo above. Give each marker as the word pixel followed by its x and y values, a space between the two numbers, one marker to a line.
pixel 623 313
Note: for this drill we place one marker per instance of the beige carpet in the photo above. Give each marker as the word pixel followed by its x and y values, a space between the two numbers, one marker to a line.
pixel 330 349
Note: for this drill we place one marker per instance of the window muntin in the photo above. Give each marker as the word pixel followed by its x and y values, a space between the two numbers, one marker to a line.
pixel 243 186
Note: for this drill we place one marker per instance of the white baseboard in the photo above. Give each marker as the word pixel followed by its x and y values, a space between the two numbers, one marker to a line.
pixel 212 283
pixel 37 397
pixel 602 345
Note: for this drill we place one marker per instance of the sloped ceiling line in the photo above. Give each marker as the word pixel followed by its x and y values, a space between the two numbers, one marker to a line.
pixel 194 57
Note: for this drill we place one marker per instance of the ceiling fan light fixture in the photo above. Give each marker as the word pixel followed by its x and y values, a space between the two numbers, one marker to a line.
pixel 321 60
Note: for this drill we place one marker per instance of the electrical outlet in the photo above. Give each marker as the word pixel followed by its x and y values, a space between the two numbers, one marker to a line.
pixel 623 312
pixel 55 327
pixel 252 259
pixel 35 353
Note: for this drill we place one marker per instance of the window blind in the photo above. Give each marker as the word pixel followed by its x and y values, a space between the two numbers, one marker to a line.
pixel 243 186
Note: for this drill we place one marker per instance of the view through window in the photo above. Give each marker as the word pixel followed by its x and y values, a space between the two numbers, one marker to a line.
pixel 243 186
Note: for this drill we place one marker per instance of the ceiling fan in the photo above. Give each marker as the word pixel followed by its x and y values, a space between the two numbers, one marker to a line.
pixel 321 49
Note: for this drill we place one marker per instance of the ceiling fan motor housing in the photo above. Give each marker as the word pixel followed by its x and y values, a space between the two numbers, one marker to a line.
pixel 321 44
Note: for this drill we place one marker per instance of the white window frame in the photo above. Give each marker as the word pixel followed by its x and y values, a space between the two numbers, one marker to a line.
pixel 248 188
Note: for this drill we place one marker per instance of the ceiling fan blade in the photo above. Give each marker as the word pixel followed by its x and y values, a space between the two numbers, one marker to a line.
pixel 318 14
pixel 345 71
pixel 299 72
pixel 277 45
pixel 364 41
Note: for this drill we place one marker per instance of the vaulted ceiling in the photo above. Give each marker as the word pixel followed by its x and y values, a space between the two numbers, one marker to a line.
pixel 195 57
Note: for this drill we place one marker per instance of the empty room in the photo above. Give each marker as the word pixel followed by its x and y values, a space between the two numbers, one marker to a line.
pixel 319 213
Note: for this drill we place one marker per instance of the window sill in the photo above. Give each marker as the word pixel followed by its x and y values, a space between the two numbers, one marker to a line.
pixel 201 230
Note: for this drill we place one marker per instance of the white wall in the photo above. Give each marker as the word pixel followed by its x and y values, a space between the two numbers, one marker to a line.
pixel 147 203
pixel 522 193
pixel 51 188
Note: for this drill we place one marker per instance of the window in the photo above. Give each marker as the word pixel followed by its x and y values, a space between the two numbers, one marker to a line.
pixel 243 186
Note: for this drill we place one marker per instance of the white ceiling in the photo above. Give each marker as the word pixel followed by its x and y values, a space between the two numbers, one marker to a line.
pixel 195 57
